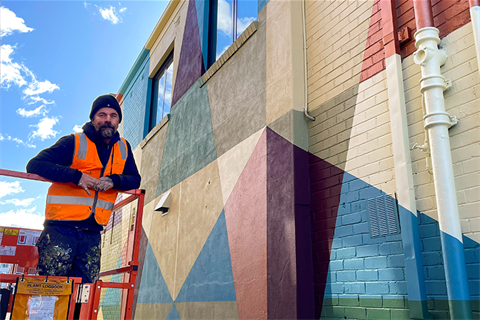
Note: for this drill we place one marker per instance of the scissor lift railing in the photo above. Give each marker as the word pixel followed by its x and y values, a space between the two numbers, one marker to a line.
pixel 90 307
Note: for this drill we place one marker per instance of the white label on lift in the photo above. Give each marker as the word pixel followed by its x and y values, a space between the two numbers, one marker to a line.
pixel 7 250
pixel 85 293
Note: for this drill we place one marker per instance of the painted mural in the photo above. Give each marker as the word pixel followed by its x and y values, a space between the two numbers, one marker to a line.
pixel 274 216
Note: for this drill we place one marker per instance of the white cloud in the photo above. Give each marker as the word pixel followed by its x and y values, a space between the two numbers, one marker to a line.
pixel 38 87
pixel 86 4
pixel 11 23
pixel 224 19
pixel 20 75
pixel 32 113
pixel 77 128
pixel 45 128
pixel 24 218
pixel 11 73
pixel 243 23
pixel 111 14
pixel 18 141
pixel 42 100
pixel 18 202
pixel 7 188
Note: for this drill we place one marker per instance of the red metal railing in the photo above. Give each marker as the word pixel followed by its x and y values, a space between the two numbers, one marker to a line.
pixel 90 309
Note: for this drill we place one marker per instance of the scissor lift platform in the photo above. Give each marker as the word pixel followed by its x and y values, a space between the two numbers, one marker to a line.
pixel 18 245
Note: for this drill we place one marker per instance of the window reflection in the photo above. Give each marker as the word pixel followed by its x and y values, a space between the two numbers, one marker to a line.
pixel 233 17
pixel 162 92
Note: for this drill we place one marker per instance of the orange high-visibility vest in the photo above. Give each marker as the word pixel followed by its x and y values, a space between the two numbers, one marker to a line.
pixel 67 201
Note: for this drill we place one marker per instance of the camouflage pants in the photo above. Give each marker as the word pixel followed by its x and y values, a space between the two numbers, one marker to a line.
pixel 73 252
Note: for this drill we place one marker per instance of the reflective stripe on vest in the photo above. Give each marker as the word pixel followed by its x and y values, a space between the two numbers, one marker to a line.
pixel 123 149
pixel 80 201
pixel 82 149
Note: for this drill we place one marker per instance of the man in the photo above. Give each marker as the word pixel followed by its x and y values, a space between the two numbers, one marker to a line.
pixel 87 169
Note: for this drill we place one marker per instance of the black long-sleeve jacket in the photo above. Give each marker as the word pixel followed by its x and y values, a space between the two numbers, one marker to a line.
pixel 54 164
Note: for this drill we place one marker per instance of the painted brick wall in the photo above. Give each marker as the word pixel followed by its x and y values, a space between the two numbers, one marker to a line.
pixel 350 162
pixel 135 105
pixel 460 100
pixel 448 16
pixel 337 33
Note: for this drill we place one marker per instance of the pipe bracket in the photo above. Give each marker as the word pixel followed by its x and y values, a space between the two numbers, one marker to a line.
pixel 439 118
pixel 434 81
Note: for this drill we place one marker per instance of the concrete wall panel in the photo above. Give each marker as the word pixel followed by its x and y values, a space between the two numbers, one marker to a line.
pixel 278 60
pixel 162 233
pixel 200 206
pixel 190 64
pixel 189 145
pixel 150 310
pixel 217 310
pixel 246 217
pixel 232 163
pixel 237 93
pixel 151 163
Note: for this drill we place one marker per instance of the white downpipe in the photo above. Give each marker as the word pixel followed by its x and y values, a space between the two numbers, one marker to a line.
pixel 475 16
pixel 305 109
pixel 437 122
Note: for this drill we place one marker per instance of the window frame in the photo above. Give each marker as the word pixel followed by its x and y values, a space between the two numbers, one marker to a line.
pixel 154 93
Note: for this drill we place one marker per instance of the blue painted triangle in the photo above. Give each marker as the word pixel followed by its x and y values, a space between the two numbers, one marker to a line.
pixel 112 296
pixel 153 288
pixel 211 277
pixel 173 314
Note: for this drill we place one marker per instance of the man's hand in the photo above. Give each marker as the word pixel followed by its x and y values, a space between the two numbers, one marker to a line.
pixel 87 181
pixel 103 184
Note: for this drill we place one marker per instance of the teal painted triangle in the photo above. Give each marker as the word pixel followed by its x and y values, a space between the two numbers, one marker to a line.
pixel 173 314
pixel 153 288
pixel 112 296
pixel 190 142
pixel 211 277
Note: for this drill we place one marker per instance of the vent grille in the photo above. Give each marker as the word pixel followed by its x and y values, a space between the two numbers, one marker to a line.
pixel 383 214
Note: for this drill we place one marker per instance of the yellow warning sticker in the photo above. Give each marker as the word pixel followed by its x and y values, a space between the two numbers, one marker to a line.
pixel 54 287
pixel 10 232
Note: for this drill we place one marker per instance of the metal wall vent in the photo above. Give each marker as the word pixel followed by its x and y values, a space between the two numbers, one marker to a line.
pixel 383 214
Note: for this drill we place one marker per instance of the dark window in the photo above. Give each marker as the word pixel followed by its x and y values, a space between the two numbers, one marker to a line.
pixel 162 92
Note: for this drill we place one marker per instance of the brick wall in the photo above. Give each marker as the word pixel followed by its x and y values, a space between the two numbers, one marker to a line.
pixel 448 16
pixel 135 106
pixel 351 161
pixel 337 33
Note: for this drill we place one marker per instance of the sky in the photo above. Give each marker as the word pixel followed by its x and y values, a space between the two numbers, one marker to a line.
pixel 56 58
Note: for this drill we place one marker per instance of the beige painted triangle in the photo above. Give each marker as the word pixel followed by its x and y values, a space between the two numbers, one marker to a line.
pixel 162 235
pixel 152 310
pixel 218 310
pixel 200 206
pixel 232 163
pixel 100 312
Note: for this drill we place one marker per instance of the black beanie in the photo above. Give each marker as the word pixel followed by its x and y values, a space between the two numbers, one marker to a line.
pixel 106 101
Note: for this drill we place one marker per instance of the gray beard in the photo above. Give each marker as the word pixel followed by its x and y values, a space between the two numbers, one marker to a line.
pixel 107 132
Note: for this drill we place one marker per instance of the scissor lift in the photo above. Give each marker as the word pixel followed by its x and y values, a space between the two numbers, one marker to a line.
pixel 86 294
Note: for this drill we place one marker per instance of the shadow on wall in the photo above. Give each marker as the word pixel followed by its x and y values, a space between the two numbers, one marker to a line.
pixel 433 262
pixel 351 265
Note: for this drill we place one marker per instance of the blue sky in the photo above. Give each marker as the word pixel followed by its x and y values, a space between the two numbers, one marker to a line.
pixel 56 58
